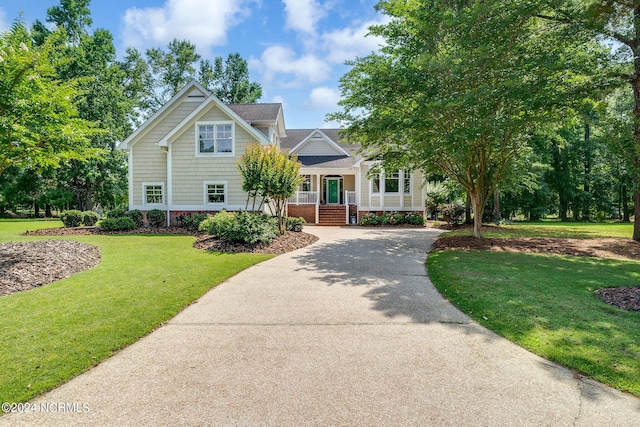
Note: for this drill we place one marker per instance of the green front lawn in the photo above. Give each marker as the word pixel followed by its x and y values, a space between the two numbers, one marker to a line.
pixel 555 229
pixel 55 332
pixel 545 303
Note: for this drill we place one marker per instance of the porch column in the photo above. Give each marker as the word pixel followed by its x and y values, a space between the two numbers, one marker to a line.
pixel 318 186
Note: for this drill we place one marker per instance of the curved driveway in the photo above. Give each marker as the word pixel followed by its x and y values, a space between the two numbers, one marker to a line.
pixel 348 331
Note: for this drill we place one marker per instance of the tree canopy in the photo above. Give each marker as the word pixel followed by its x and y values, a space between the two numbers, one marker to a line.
pixel 457 89
pixel 39 121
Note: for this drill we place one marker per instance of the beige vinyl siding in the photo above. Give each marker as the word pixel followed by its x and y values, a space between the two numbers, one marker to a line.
pixel 364 185
pixel 392 201
pixel 189 171
pixel 149 161
pixel 318 147
pixel 349 182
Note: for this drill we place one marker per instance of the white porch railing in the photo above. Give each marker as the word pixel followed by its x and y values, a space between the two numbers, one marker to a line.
pixel 304 198
pixel 350 197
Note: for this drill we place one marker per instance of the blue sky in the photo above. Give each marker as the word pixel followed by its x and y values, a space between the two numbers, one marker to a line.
pixel 295 48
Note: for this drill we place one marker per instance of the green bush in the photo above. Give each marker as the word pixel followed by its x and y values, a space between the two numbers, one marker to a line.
pixel 414 218
pixel 116 213
pixel 136 216
pixel 71 218
pixel 117 224
pixel 452 212
pixel 89 218
pixel 156 218
pixel 242 227
pixel 370 219
pixel 396 218
pixel 191 222
pixel 294 224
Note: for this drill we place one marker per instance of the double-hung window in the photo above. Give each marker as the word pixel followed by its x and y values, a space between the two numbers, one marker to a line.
pixel 215 193
pixel 392 182
pixel 406 182
pixel 214 138
pixel 375 183
pixel 153 193
pixel 305 185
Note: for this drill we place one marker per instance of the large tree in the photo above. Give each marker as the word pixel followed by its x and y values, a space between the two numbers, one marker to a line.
pixel 39 121
pixel 457 88
pixel 229 81
pixel 609 20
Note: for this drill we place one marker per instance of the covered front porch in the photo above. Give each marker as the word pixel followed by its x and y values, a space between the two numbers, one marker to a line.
pixel 325 199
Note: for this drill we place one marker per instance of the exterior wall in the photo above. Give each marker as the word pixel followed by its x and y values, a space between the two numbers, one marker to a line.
pixel 318 147
pixel 190 172
pixel 378 202
pixel 308 212
pixel 149 161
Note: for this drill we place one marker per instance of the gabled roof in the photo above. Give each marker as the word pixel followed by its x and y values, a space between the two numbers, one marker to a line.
pixel 213 100
pixel 297 138
pixel 341 162
pixel 188 89
pixel 253 113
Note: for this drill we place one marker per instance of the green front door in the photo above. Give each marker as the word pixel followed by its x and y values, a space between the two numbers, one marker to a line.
pixel 334 196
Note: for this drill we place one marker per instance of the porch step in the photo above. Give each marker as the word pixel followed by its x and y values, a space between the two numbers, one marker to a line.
pixel 332 215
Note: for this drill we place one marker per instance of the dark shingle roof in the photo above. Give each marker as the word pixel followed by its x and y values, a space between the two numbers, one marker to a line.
pixel 256 112
pixel 328 161
pixel 295 136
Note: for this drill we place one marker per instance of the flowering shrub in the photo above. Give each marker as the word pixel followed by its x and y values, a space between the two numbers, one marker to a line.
pixel 392 218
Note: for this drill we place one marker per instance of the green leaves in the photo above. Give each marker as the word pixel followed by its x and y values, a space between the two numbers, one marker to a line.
pixel 39 123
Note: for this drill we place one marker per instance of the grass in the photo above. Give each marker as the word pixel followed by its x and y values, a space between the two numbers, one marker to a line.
pixel 555 229
pixel 53 333
pixel 545 303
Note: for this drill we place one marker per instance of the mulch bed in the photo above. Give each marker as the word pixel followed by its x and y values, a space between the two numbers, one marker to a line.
pixel 279 245
pixel 29 265
pixel 625 297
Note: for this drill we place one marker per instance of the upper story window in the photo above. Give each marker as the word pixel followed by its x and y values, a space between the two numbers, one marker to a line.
pixel 215 139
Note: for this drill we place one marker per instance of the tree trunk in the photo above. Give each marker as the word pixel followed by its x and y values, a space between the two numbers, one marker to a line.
pixel 467 210
pixel 47 211
pixel 36 210
pixel 496 206
pixel 586 208
pixel 478 206
pixel 625 204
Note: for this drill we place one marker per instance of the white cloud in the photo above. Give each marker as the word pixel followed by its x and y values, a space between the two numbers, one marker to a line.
pixel 282 60
pixel 279 99
pixel 303 15
pixel 203 22
pixel 323 98
pixel 347 43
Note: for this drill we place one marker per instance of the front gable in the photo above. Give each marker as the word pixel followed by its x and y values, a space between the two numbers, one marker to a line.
pixel 317 143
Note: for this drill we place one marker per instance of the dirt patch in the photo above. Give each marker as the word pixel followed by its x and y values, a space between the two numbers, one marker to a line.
pixel 279 245
pixel 29 265
pixel 625 297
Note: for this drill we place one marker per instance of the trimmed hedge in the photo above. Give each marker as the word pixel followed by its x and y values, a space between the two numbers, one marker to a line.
pixel 136 216
pixel 116 213
pixel 156 218
pixel 89 218
pixel 294 224
pixel 392 218
pixel 71 218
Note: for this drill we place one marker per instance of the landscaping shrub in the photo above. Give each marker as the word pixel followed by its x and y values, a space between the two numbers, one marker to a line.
pixel 191 222
pixel 294 224
pixel 156 218
pixel 117 224
pixel 452 213
pixel 242 227
pixel 89 218
pixel 136 216
pixel 414 218
pixel 395 218
pixel 71 218
pixel 370 219
pixel 116 213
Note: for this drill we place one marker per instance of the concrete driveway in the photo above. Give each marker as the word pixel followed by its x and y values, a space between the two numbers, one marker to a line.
pixel 348 331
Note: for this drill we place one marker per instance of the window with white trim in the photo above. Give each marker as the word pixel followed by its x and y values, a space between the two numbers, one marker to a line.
pixel 215 193
pixel 153 194
pixel 305 185
pixel 375 183
pixel 406 182
pixel 214 138
pixel 392 182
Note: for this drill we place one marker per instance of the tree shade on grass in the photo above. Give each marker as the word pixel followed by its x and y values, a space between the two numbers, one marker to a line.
pixel 53 333
pixel 545 303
